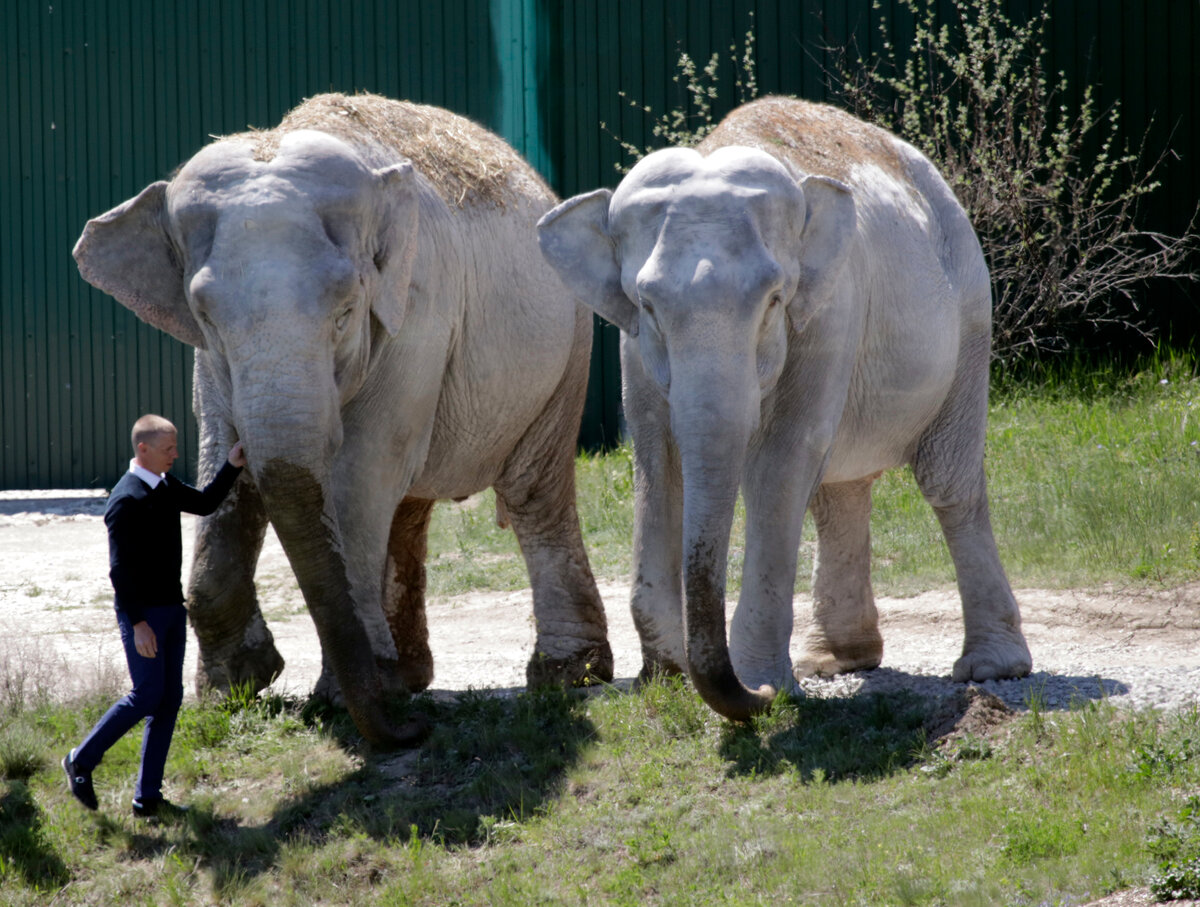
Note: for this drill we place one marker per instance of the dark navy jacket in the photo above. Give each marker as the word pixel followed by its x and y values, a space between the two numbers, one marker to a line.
pixel 145 549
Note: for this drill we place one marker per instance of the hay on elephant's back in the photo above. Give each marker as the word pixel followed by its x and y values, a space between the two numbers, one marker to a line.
pixel 463 161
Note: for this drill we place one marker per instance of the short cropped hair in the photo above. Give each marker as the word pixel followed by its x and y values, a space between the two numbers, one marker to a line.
pixel 150 428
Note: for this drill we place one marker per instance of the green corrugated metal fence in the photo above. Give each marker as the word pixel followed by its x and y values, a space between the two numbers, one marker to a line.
pixel 102 97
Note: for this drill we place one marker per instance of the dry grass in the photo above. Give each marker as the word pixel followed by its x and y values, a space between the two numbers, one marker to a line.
pixel 465 163
pixel 815 138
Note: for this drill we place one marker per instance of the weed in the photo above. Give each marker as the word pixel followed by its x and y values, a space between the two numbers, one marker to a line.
pixel 689 122
pixel 22 749
pixel 1174 843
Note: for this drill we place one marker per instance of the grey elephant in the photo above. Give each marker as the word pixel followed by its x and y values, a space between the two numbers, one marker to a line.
pixel 803 304
pixel 373 319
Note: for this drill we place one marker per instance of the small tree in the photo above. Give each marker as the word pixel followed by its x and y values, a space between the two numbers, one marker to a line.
pixel 688 124
pixel 1058 225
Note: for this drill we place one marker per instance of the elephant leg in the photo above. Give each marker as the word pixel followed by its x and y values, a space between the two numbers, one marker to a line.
pixel 384 558
pixel 572 632
pixel 844 633
pixel 948 467
pixel 537 491
pixel 657 595
pixel 236 647
pixel 403 598
pixel 761 629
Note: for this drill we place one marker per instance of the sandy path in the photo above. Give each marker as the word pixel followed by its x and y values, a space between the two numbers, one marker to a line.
pixel 56 606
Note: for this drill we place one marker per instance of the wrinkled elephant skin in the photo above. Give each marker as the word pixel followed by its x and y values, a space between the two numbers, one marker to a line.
pixel 803 304
pixel 373 319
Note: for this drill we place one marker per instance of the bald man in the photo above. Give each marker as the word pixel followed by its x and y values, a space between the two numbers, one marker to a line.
pixel 145 554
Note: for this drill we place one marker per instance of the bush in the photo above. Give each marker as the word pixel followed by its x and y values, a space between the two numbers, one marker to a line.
pixel 1057 219
pixel 687 124
pixel 1175 845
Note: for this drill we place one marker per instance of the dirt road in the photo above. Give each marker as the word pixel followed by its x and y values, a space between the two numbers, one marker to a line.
pixel 56 606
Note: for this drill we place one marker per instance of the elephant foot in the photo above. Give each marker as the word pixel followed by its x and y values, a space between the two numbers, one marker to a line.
pixel 779 676
pixel 395 682
pixel 824 662
pixel 588 666
pixel 414 666
pixel 656 667
pixel 999 657
pixel 415 676
pixel 255 666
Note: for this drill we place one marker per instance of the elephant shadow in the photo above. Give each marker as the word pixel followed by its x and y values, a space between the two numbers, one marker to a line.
pixel 1041 690
pixel 490 760
pixel 873 724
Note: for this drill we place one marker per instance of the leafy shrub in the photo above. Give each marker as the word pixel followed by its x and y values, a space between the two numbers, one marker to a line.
pixel 687 124
pixel 1057 220
pixel 1175 845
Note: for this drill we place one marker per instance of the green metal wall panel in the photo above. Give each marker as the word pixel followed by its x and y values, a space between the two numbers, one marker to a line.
pixel 104 96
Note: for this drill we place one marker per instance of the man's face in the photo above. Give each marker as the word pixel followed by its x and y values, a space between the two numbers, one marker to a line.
pixel 159 454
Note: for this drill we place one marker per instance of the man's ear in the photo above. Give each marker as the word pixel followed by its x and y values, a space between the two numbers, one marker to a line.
pixel 575 240
pixel 126 252
pixel 395 243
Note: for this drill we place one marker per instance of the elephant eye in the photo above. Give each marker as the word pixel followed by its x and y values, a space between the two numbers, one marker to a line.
pixel 648 312
pixel 776 299
pixel 343 318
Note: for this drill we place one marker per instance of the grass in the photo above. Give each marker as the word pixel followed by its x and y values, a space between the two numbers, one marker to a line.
pixel 550 797
pixel 649 798
pixel 1101 462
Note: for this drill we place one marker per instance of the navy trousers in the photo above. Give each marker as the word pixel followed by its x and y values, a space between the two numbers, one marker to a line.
pixel 156 696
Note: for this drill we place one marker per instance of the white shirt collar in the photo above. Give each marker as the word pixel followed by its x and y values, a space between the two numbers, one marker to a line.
pixel 150 478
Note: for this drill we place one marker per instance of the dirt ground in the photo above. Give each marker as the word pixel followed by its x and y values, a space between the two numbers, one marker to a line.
pixel 56 608
pixel 56 602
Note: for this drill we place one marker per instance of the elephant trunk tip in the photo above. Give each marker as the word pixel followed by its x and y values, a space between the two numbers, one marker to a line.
pixel 726 696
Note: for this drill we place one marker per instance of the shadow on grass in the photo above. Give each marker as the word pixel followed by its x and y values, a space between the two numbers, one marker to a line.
pixel 23 848
pixel 860 737
pixel 1040 690
pixel 489 759
pixel 891 722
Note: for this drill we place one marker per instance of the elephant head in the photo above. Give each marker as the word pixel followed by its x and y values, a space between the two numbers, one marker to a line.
pixel 710 266
pixel 286 270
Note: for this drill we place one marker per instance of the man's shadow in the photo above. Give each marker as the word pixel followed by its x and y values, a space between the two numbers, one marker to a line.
pixel 23 844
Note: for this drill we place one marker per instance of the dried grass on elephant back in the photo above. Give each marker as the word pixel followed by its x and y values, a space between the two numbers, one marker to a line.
pixel 464 162
pixel 817 138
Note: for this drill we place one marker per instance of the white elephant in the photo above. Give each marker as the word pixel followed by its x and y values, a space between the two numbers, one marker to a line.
pixel 373 318
pixel 803 304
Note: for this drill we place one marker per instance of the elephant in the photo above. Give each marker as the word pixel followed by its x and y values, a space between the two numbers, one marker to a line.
pixel 803 304
pixel 373 319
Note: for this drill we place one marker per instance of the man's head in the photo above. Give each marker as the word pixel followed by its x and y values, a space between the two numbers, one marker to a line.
pixel 155 443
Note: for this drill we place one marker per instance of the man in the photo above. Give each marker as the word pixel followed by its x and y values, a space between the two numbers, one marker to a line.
pixel 145 553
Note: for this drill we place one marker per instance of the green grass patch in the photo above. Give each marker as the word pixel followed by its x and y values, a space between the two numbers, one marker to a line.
pixel 1091 478
pixel 621 798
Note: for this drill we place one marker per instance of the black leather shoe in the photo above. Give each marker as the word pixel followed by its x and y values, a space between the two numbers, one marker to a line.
pixel 158 809
pixel 79 782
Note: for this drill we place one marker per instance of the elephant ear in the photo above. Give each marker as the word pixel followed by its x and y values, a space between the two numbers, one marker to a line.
pixel 126 253
pixel 575 240
pixel 396 244
pixel 830 220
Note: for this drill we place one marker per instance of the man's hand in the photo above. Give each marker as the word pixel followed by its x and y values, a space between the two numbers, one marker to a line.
pixel 144 640
pixel 237 455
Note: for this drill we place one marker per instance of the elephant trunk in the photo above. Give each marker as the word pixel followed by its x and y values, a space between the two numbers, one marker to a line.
pixel 712 459
pixel 293 472
pixel 307 528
